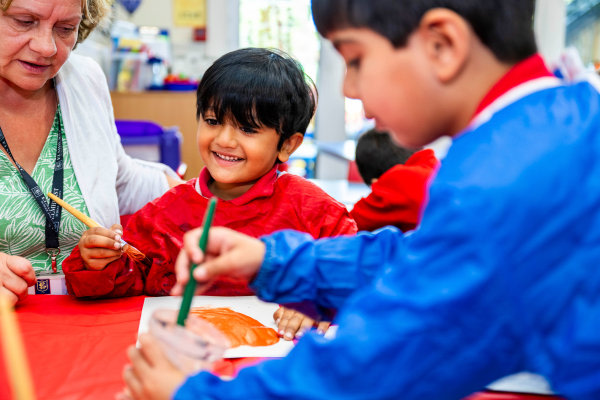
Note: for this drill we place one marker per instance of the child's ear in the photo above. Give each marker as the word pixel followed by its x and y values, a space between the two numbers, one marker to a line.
pixel 447 38
pixel 289 146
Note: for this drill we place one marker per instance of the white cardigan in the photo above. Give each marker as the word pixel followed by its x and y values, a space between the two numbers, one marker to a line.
pixel 111 182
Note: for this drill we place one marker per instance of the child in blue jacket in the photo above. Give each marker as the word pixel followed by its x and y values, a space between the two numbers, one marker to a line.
pixel 502 274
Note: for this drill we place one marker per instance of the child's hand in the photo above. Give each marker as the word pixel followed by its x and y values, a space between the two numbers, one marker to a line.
pixel 151 376
pixel 293 324
pixel 100 246
pixel 228 253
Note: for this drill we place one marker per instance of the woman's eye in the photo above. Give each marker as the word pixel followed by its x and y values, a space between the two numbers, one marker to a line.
pixel 65 30
pixel 211 121
pixel 24 22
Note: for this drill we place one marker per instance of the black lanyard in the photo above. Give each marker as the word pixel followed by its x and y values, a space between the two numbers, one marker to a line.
pixel 51 210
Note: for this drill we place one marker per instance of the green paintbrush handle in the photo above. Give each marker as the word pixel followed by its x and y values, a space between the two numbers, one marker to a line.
pixel 188 293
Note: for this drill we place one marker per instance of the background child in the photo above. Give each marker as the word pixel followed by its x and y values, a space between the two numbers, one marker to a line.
pixel 398 178
pixel 376 153
pixel 254 106
pixel 502 274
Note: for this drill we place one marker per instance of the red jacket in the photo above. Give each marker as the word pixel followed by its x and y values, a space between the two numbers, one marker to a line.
pixel 275 202
pixel 398 195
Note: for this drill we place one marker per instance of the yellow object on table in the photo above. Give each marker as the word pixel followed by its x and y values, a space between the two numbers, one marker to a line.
pixel 14 353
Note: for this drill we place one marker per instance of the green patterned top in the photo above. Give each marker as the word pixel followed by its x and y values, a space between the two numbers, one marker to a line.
pixel 22 222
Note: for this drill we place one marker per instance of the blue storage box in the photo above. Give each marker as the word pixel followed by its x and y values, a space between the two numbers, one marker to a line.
pixel 149 141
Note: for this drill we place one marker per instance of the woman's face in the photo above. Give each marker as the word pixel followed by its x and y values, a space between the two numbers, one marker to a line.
pixel 37 38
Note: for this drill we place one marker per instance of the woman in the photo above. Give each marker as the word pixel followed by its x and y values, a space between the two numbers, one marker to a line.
pixel 58 134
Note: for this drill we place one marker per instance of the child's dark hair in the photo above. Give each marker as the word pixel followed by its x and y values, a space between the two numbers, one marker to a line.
pixel 254 88
pixel 504 26
pixel 376 153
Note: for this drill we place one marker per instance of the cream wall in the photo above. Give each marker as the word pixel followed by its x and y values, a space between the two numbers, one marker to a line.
pixel 550 27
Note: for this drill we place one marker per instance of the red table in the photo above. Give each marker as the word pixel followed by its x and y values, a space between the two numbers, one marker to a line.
pixel 491 395
pixel 76 349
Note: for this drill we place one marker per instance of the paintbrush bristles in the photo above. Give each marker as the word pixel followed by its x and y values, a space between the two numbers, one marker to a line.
pixel 131 252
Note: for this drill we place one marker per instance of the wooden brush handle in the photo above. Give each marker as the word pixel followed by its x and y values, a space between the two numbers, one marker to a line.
pixel 76 213
pixel 17 366
pixel 129 250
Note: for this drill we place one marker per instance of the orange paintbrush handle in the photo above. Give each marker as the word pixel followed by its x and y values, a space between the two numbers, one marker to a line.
pixel 129 250
pixel 76 213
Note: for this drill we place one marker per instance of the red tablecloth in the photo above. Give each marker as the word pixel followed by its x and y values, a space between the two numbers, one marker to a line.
pixel 491 395
pixel 76 349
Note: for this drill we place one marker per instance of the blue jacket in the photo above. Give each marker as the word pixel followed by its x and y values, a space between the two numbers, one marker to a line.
pixel 502 276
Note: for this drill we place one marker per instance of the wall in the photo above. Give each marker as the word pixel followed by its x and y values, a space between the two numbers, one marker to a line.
pixel 550 27
pixel 330 121
pixel 189 57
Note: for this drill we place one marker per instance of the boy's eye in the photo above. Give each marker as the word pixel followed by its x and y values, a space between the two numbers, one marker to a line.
pixel 247 129
pixel 211 121
pixel 353 63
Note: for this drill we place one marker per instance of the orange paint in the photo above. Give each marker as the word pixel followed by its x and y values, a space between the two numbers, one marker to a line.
pixel 239 328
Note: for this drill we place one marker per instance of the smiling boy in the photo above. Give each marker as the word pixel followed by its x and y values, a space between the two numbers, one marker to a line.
pixel 253 108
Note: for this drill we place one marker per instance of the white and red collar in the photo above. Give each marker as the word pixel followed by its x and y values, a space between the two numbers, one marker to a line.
pixel 264 187
pixel 528 76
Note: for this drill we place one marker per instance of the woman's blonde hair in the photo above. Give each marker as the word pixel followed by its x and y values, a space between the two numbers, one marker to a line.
pixel 92 12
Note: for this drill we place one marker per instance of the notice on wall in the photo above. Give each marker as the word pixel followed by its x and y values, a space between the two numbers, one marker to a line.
pixel 190 13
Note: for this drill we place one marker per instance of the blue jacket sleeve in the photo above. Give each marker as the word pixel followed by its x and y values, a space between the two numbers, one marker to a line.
pixel 300 270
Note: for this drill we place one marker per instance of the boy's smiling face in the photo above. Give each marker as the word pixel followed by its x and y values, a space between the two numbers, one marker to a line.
pixel 237 157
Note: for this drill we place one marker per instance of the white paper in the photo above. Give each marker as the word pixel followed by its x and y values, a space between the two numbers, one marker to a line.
pixel 248 305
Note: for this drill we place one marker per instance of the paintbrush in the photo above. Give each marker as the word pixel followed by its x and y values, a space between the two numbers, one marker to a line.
pixel 130 251
pixel 190 287
pixel 15 358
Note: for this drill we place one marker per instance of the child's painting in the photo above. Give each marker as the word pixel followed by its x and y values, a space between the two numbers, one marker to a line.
pixel 245 320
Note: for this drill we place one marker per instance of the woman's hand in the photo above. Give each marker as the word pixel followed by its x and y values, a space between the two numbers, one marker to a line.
pixel 228 253
pixel 173 181
pixel 100 246
pixel 293 324
pixel 16 275
pixel 151 376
